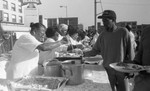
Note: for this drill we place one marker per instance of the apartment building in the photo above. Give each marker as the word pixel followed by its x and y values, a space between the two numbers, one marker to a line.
pixel 12 21
pixel 11 11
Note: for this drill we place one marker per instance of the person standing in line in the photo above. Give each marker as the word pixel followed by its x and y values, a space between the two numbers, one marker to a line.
pixel 25 53
pixel 114 45
pixel 129 27
pixel 142 80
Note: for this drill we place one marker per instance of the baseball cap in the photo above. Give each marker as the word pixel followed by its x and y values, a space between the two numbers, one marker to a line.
pixel 108 14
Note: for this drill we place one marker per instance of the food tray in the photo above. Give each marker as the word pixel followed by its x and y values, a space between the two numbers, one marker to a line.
pixel 38 83
pixel 68 58
pixel 127 67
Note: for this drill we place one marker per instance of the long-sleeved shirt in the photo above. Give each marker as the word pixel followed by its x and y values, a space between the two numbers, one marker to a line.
pixel 113 46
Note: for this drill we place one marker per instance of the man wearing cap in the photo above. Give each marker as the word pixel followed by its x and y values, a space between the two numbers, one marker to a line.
pixel 114 45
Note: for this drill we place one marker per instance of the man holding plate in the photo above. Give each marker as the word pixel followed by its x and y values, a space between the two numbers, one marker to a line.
pixel 114 44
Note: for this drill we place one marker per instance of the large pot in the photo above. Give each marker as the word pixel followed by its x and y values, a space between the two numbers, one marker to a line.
pixel 53 69
pixel 74 72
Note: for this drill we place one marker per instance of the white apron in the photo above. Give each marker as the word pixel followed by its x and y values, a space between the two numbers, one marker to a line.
pixel 24 59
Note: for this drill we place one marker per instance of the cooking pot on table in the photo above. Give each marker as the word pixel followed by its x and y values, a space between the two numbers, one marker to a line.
pixel 74 72
pixel 72 69
pixel 53 68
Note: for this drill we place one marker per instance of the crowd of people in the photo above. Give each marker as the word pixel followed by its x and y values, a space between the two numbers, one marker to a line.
pixel 115 44
pixel 31 51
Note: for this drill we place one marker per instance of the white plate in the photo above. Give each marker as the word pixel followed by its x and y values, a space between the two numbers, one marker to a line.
pixel 127 67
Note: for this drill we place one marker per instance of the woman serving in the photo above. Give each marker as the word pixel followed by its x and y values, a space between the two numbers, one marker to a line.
pixel 25 53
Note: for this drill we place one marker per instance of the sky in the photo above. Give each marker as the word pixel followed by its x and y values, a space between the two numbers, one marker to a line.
pixel 126 10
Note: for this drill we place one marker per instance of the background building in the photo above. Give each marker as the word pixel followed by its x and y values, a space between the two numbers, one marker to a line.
pixel 12 11
pixel 30 15
pixel 51 22
pixel 69 21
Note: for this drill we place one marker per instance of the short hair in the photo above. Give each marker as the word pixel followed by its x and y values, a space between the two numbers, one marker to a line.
pixel 81 34
pixel 50 32
pixel 63 27
pixel 71 30
pixel 36 26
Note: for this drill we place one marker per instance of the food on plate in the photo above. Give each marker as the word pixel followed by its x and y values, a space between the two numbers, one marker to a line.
pixel 147 68
pixel 137 67
pixel 122 64
pixel 129 66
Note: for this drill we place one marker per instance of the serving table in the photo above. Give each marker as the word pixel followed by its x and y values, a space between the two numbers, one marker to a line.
pixel 95 80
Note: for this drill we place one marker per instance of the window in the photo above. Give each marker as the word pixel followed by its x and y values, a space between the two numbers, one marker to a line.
pixel 5 4
pixel 20 19
pixel 6 17
pixel 13 7
pixel 20 9
pixel 13 18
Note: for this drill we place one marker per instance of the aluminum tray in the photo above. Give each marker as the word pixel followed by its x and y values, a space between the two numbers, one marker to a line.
pixel 69 58
pixel 17 86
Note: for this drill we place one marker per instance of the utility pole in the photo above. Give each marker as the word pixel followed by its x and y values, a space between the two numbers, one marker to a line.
pixel 66 10
pixel 95 12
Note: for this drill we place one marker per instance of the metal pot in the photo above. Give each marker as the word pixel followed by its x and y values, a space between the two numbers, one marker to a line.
pixel 53 69
pixel 74 72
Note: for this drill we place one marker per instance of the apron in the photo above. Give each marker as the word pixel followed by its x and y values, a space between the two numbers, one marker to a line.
pixel 21 69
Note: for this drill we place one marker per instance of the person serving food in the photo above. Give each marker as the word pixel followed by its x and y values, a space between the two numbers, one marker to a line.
pixel 25 53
